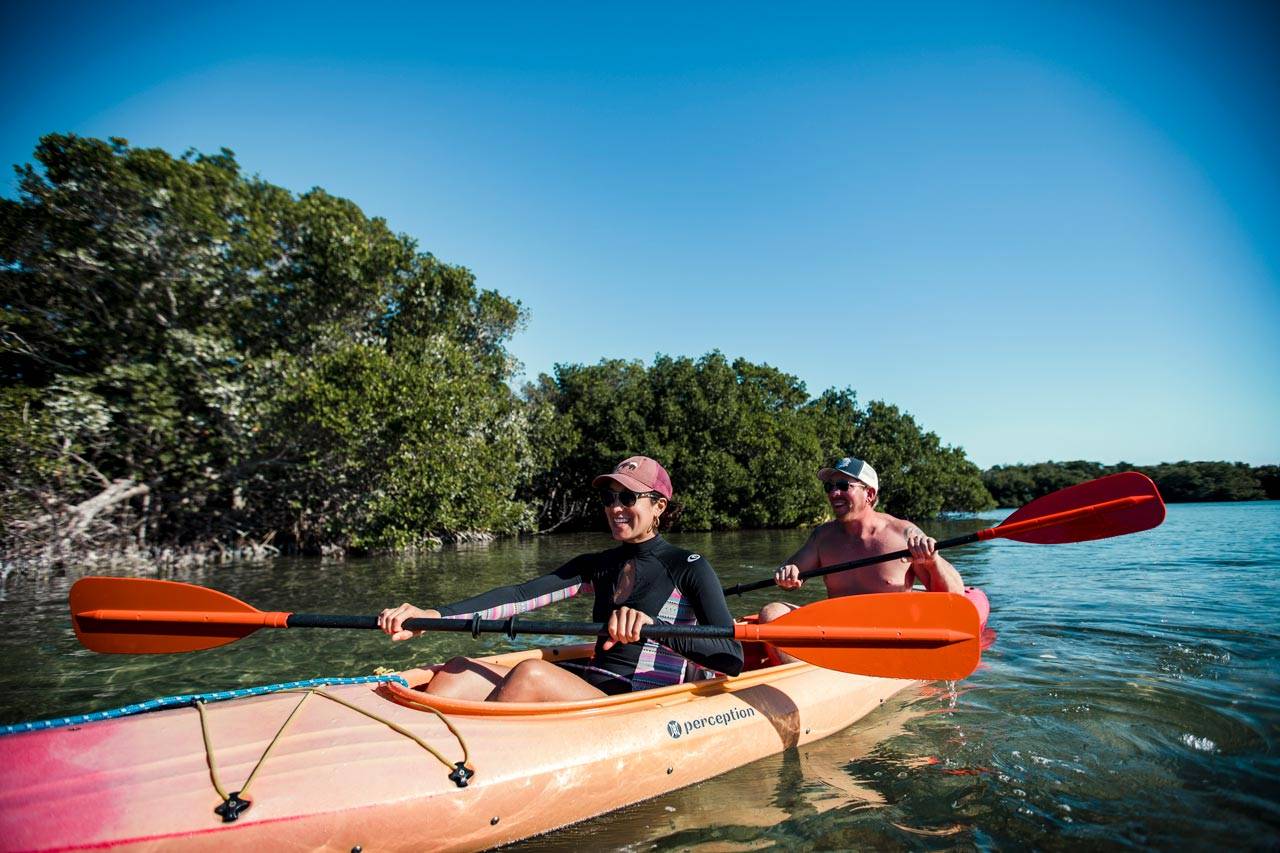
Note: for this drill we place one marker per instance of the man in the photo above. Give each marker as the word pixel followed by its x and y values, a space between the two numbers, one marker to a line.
pixel 859 531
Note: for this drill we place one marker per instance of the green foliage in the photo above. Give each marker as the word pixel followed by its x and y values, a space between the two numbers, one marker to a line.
pixel 387 448
pixel 262 365
pixel 743 442
pixel 1206 481
pixel 1178 482
pixel 1015 485
pixel 1269 479
pixel 115 265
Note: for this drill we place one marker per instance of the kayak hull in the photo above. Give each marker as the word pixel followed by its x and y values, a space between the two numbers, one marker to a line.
pixel 352 773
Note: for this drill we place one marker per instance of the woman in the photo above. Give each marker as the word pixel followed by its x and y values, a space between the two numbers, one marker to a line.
pixel 643 579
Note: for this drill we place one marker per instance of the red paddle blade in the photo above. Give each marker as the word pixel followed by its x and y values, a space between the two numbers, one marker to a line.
pixel 1108 506
pixel 143 616
pixel 920 635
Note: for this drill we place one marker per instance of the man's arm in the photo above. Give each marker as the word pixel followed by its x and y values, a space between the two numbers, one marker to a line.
pixel 927 566
pixel 806 559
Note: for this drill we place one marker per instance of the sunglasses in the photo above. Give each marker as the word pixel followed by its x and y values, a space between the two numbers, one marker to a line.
pixel 838 485
pixel 626 497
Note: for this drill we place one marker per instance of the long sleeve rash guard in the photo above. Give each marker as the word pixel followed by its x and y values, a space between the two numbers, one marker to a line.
pixel 669 584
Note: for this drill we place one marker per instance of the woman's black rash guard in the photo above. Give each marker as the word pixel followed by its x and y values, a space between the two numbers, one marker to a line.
pixel 672 585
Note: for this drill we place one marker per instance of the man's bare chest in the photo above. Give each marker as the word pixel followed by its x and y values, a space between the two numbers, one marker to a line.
pixel 887 576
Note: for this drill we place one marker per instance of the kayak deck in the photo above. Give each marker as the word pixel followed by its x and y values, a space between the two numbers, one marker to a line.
pixel 339 779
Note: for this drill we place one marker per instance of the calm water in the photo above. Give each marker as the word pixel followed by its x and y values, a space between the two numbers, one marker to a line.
pixel 1132 698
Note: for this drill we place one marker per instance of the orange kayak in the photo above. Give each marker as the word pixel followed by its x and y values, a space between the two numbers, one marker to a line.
pixel 370 766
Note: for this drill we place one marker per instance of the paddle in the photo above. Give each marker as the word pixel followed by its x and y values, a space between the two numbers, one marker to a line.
pixel 928 637
pixel 1097 509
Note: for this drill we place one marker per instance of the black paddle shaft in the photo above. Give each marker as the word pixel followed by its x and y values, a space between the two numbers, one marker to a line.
pixel 476 626
pixel 967 539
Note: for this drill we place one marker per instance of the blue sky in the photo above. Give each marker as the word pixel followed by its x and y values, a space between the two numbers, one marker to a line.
pixel 1049 231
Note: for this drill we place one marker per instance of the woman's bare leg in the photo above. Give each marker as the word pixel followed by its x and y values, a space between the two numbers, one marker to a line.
pixel 768 613
pixel 542 681
pixel 464 678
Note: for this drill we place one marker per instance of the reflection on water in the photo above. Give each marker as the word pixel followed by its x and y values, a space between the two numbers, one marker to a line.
pixel 1132 698
pixel 753 807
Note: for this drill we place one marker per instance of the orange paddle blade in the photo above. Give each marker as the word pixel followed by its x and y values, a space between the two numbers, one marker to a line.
pixel 920 635
pixel 144 616
pixel 1097 509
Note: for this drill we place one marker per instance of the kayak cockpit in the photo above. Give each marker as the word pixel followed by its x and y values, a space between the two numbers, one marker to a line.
pixel 757 669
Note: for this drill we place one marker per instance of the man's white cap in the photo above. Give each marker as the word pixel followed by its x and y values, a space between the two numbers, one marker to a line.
pixel 854 469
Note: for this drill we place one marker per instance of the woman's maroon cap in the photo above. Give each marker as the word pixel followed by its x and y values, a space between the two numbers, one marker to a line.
pixel 639 474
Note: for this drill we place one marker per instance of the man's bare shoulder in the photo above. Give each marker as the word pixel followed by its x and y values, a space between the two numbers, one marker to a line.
pixel 892 522
pixel 826 530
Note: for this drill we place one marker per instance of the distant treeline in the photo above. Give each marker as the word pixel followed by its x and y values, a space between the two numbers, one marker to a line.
pixel 1178 482
pixel 193 360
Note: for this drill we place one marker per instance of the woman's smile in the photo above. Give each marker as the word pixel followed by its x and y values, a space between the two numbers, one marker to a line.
pixel 637 522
